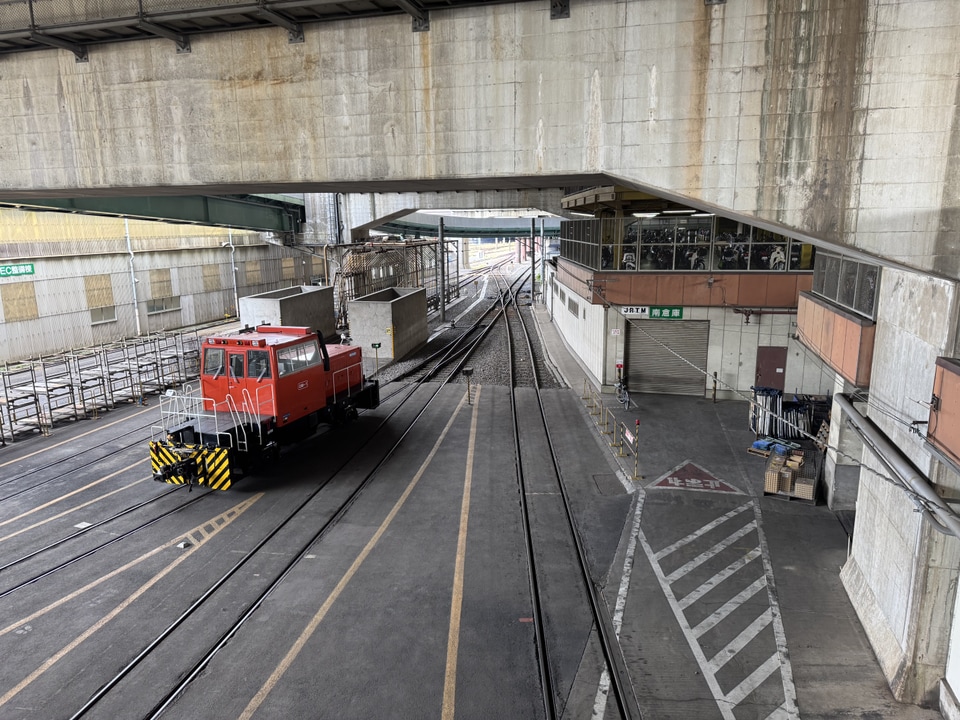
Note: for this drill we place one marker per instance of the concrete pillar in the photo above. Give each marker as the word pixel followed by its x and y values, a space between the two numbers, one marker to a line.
pixel 841 470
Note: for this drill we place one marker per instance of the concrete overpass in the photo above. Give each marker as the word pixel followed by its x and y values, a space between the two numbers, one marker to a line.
pixel 836 121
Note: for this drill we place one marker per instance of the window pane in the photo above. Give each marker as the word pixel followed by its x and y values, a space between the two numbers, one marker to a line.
pixel 801 256
pixel 661 257
pixel 236 365
pixel 730 256
pixel 259 363
pixel 831 276
pixel 213 361
pixel 848 283
pixel 867 290
pixel 768 257
pixel 693 258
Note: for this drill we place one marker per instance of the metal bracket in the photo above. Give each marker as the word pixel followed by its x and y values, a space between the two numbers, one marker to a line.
pixel 294 29
pixel 559 9
pixel 421 19
pixel 79 50
pixel 182 41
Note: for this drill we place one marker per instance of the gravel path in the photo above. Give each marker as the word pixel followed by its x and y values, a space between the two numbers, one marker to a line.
pixel 491 361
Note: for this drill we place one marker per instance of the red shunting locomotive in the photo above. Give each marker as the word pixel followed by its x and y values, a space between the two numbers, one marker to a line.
pixel 259 389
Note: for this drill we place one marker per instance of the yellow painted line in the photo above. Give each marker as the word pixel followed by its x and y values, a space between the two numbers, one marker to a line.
pixel 220 522
pixel 314 623
pixel 61 498
pixel 453 638
pixel 75 437
pixel 73 509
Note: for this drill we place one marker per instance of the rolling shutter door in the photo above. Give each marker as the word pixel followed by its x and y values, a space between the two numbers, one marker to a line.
pixel 652 368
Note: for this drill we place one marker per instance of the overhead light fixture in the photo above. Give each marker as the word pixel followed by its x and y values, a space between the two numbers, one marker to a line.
pixel 646 215
pixel 679 212
pixel 581 214
pixel 702 215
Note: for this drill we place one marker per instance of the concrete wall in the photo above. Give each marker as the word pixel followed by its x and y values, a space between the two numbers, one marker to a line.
pixel 302 305
pixel 809 115
pixel 841 470
pixel 396 318
pixel 901 575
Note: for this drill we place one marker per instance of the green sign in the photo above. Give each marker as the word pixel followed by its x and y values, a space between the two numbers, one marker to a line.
pixel 14 270
pixel 666 312
pixel 653 312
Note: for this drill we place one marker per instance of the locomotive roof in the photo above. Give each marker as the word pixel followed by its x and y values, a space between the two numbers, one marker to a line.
pixel 263 336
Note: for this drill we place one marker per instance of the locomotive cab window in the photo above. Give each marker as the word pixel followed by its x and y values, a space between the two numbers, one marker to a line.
pixel 258 362
pixel 236 365
pixel 213 361
pixel 297 357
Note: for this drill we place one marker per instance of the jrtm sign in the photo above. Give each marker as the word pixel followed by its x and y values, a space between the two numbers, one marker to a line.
pixel 14 270
pixel 654 312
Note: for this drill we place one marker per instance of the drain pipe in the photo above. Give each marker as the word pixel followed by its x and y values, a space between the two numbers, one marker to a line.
pixel 918 486
pixel 133 277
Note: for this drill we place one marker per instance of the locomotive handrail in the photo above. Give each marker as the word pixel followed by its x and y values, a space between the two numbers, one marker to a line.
pixel 268 403
pixel 347 370
pixel 240 426
pixel 177 408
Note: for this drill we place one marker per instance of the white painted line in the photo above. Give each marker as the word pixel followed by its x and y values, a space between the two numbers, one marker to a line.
pixel 600 701
pixel 710 584
pixel 786 669
pixel 741 640
pixel 781 713
pixel 727 702
pixel 725 710
pixel 702 531
pixel 712 552
pixel 729 606
pixel 753 681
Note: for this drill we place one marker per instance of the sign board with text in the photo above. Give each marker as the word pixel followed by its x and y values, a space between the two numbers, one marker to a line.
pixel 16 270
pixel 653 312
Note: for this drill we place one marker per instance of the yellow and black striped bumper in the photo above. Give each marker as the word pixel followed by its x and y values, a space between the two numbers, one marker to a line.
pixel 190 465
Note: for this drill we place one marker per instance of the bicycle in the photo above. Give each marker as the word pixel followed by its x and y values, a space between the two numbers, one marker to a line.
pixel 623 395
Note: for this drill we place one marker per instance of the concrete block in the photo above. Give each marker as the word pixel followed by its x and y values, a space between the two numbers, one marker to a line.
pixel 302 305
pixel 396 318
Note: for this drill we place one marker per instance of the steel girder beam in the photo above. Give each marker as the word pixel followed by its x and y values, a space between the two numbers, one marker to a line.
pixel 241 212
pixel 294 29
pixel 421 20
pixel 182 41
pixel 80 51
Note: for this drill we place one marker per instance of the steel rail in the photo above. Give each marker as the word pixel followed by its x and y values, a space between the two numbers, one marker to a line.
pixel 40 468
pixel 253 605
pixel 546 682
pixel 88 553
pixel 612 652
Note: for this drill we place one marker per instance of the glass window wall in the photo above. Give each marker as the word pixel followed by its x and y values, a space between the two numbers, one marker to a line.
pixel 693 243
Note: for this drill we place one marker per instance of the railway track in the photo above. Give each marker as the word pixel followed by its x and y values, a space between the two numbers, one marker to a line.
pixel 524 374
pixel 192 627
pixel 279 570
